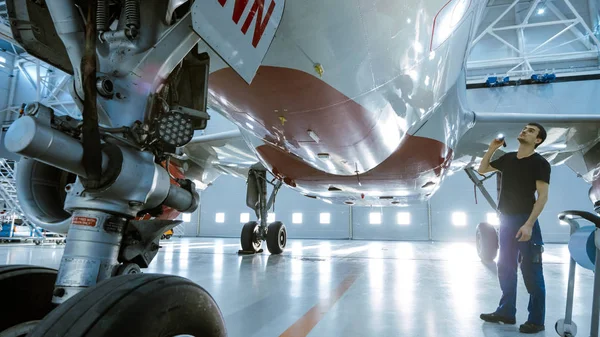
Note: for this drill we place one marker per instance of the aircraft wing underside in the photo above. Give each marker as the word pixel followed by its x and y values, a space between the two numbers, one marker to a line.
pixel 220 153
pixel 573 140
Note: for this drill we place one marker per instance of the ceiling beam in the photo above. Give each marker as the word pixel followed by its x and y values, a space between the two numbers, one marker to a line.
pixel 513 61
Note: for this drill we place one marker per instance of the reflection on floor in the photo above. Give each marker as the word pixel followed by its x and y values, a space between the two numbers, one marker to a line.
pixel 352 288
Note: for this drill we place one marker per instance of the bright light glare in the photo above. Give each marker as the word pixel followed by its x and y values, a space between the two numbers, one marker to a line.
pixel 186 217
pixel 403 218
pixel 325 218
pixel 244 217
pixel 418 47
pixel 375 218
pixel 492 219
pixel 297 218
pixel 447 21
pixel 459 219
pixel 271 217
pixel 220 218
pixel 541 11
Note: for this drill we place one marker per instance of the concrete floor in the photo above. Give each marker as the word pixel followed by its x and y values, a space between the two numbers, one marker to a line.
pixel 352 288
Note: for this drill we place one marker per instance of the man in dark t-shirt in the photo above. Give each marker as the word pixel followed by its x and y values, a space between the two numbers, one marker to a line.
pixel 523 173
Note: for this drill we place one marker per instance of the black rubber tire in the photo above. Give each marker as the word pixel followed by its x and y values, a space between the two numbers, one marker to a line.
pixel 136 305
pixel 486 239
pixel 168 237
pixel 248 237
pixel 276 237
pixel 26 293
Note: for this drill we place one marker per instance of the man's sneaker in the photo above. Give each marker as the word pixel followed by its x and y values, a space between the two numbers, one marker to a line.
pixel 495 318
pixel 530 328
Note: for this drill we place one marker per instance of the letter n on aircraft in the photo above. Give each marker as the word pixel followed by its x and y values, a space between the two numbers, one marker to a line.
pixel 257 10
pixel 239 31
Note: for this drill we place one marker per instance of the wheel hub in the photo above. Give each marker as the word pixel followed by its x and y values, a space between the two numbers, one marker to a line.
pixel 282 239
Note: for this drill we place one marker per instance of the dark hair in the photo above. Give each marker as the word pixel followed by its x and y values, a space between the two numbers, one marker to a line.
pixel 541 133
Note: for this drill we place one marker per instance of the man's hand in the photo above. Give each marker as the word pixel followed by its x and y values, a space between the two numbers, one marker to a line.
pixel 495 144
pixel 524 233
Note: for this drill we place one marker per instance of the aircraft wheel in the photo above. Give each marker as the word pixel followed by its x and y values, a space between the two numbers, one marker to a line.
pixel 486 239
pixel 249 238
pixel 137 305
pixel 26 296
pixel 276 237
pixel 168 237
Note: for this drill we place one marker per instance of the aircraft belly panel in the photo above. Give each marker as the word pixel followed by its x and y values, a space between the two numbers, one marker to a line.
pixel 346 81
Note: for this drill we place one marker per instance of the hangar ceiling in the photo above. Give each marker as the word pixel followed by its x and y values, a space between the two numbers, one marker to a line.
pixel 518 38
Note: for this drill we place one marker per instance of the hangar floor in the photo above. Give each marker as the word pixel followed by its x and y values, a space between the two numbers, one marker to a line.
pixel 352 288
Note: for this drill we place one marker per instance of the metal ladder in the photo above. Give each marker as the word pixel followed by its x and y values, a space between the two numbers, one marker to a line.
pixel 8 192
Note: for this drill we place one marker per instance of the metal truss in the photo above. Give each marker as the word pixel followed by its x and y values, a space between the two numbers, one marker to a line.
pixel 49 83
pixel 527 59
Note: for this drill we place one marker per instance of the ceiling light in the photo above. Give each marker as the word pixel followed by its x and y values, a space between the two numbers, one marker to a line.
pixel 541 11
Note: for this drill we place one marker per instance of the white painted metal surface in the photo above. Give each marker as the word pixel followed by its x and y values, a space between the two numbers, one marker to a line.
pixel 239 31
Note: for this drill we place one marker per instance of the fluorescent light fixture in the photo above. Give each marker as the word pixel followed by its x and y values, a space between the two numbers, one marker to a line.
pixel 270 217
pixel 459 219
pixel 220 218
pixel 325 218
pixel 541 11
pixel 403 218
pixel 186 217
pixel 375 218
pixel 244 217
pixel 297 218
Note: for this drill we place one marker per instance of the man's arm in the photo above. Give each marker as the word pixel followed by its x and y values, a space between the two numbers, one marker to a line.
pixel 525 231
pixel 542 189
pixel 484 166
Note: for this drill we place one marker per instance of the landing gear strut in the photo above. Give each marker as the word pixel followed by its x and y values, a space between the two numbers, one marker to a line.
pixel 253 232
pixel 142 86
pixel 486 235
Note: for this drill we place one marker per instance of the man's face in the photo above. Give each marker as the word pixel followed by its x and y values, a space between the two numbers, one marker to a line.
pixel 529 135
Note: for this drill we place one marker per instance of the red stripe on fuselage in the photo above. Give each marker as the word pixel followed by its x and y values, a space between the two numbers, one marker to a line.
pixel 346 130
pixel 415 163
